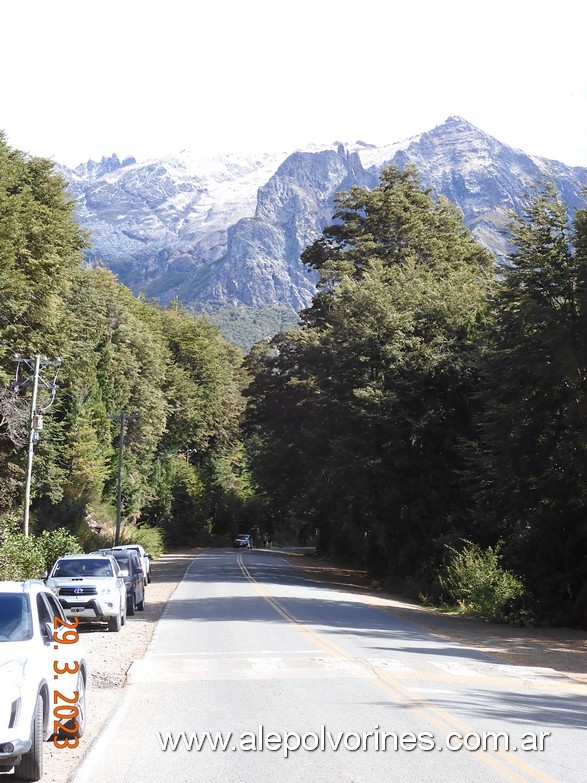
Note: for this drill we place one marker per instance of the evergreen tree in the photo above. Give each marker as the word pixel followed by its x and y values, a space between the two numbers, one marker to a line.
pixel 361 412
pixel 119 353
pixel 534 478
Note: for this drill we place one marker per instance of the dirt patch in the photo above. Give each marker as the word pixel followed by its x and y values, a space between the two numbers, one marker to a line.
pixel 562 649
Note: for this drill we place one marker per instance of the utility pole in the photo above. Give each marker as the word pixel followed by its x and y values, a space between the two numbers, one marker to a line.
pixel 123 419
pixel 31 445
pixel 35 418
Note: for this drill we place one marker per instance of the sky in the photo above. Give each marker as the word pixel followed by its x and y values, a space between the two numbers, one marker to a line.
pixel 82 80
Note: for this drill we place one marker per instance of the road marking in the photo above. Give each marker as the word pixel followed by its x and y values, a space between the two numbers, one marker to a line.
pixel 339 664
pixel 232 653
pixel 431 713
pixel 390 663
pixel 186 669
pixel 520 671
pixel 86 770
pixel 444 691
pixel 267 664
pixel 325 644
pixel 458 669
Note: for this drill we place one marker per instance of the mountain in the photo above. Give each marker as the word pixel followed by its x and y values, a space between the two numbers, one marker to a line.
pixel 225 234
pixel 484 177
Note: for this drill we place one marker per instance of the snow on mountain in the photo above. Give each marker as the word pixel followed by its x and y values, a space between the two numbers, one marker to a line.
pixel 230 228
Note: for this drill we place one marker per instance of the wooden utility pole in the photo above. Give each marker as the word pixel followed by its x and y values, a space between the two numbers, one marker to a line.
pixel 124 417
pixel 31 446
pixel 35 417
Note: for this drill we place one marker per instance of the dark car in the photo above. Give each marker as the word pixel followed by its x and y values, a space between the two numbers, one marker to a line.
pixel 244 541
pixel 132 572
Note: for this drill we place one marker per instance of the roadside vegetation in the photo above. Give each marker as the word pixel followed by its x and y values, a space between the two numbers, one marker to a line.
pixel 429 398
pixel 184 472
pixel 427 417
pixel 475 580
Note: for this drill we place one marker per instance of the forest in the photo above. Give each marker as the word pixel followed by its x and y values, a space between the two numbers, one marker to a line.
pixel 184 466
pixel 427 419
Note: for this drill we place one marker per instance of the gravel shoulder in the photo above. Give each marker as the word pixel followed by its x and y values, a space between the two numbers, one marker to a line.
pixel 561 649
pixel 109 656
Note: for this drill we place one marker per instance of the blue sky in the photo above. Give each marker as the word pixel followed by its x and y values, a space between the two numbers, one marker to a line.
pixel 83 80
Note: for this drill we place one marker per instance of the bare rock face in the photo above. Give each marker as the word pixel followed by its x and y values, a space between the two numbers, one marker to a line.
pixel 230 230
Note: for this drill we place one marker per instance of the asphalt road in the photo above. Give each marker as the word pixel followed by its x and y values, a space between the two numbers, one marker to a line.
pixel 306 684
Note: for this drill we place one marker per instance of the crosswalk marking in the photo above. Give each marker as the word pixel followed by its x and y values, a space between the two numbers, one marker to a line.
pixel 339 664
pixel 457 669
pixel 306 664
pixel 268 664
pixel 390 664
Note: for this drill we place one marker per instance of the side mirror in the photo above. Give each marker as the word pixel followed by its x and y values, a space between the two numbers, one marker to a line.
pixel 47 633
pixel 45 575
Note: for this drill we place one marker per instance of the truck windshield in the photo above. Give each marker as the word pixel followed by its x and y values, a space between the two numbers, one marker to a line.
pixel 97 567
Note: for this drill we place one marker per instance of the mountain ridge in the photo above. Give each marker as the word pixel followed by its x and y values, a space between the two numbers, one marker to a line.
pixel 228 230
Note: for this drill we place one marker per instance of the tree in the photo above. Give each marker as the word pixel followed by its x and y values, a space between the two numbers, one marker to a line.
pixel 119 353
pixel 534 473
pixel 40 249
pixel 362 411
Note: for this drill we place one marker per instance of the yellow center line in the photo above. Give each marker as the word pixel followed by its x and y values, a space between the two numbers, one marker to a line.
pixel 433 715
pixel 325 644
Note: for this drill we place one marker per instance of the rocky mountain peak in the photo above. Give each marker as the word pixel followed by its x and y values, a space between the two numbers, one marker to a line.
pixel 95 169
pixel 230 229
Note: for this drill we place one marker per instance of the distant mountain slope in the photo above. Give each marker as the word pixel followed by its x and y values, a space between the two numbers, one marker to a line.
pixel 228 231
pixel 484 177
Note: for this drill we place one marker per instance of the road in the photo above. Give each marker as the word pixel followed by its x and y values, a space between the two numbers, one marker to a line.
pixel 308 684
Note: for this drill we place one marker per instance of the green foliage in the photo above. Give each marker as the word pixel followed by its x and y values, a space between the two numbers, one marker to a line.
pixel 150 538
pixel 530 468
pixel 365 408
pixel 54 543
pixel 40 245
pixel 27 557
pixel 178 501
pixel 475 579
pixel 21 557
pixel 244 326
pixel 426 400
pixel 170 369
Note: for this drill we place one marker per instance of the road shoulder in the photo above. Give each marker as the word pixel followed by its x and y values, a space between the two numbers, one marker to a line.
pixel 109 656
pixel 561 649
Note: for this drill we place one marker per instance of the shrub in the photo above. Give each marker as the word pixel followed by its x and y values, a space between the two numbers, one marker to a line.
pixel 54 543
pixel 477 582
pixel 21 557
pixel 150 538
pixel 27 557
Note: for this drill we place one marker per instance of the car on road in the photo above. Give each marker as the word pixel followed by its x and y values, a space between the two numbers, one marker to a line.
pixel 132 573
pixel 91 588
pixel 143 556
pixel 36 641
pixel 243 541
